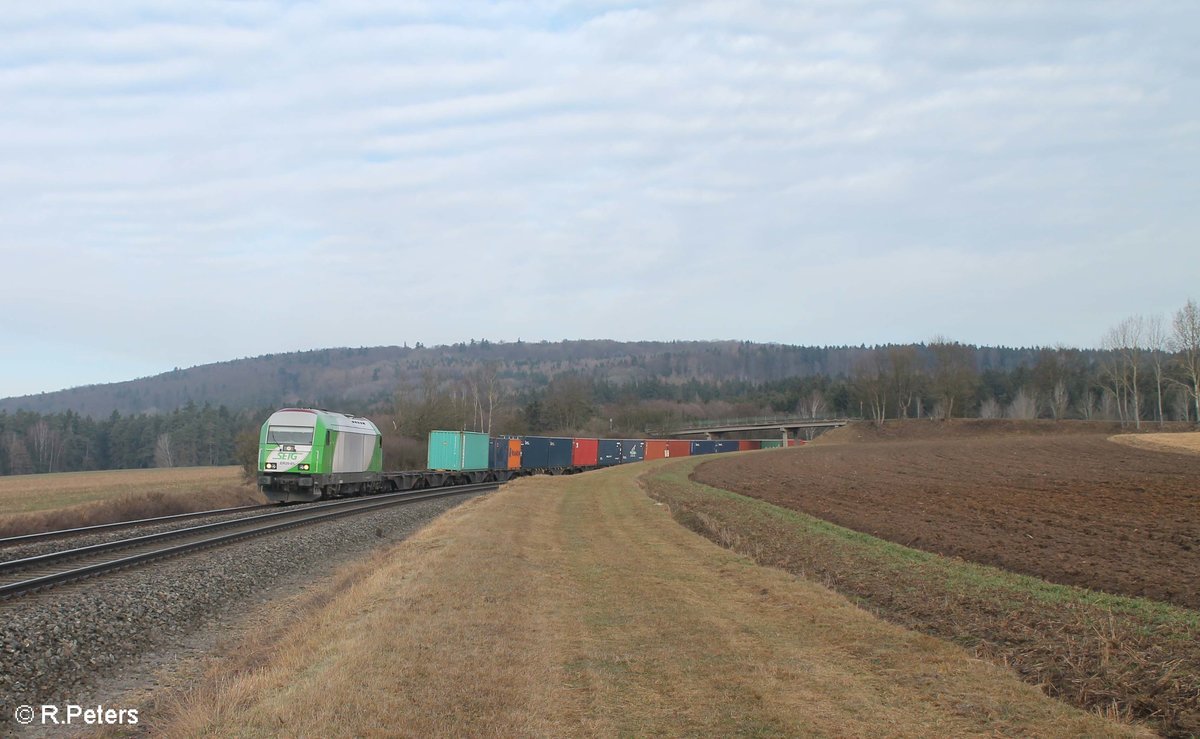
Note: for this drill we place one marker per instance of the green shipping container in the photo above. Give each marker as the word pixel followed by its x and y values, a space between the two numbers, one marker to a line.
pixel 458 450
pixel 769 444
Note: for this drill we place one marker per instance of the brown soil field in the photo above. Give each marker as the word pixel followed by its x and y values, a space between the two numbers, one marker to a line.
pixel 1057 501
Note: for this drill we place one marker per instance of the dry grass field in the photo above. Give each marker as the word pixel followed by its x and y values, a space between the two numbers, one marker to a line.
pixel 30 503
pixel 1185 442
pixel 578 607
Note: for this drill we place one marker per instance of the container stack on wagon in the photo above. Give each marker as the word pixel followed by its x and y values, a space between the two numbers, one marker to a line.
pixel 462 451
pixel 505 453
pixel 550 454
pixel 633 450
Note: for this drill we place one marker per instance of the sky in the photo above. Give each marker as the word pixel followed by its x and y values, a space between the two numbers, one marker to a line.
pixel 191 182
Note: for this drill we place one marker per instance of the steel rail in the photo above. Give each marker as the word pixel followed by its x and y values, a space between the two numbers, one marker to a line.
pixel 100 527
pixel 266 523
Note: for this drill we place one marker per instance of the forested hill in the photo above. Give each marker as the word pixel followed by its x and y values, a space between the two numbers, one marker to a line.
pixel 363 377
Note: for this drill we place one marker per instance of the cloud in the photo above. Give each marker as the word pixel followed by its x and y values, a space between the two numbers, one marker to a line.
pixel 547 167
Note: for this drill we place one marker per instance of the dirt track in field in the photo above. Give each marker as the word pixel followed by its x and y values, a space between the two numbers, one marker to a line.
pixel 1072 508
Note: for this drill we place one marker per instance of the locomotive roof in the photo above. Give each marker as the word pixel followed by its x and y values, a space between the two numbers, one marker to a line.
pixel 331 419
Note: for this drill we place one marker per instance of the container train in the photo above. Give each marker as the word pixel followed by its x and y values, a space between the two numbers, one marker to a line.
pixel 306 454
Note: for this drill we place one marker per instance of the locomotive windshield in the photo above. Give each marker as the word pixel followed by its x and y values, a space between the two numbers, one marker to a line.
pixel 289 435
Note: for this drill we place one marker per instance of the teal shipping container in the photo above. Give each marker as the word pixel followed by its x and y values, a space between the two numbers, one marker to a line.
pixel 463 451
pixel 772 444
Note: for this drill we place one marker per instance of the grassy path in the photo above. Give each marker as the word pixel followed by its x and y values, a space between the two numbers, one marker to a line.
pixel 577 606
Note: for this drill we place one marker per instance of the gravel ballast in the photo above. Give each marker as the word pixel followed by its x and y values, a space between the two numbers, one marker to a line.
pixel 57 645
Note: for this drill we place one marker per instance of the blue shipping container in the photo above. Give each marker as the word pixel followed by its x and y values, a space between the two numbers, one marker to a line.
pixel 545 452
pixel 704 447
pixel 610 452
pixel 726 446
pixel 632 450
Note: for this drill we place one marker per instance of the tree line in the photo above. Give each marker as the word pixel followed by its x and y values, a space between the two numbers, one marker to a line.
pixel 69 442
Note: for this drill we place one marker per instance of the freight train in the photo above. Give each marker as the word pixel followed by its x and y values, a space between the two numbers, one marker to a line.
pixel 306 454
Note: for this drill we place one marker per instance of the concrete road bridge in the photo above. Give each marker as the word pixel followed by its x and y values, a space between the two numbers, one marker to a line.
pixel 786 426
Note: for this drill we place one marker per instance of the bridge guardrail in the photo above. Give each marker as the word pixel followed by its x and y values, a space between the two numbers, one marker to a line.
pixel 765 421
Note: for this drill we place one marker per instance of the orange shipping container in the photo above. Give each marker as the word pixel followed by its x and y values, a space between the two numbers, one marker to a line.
pixel 663 449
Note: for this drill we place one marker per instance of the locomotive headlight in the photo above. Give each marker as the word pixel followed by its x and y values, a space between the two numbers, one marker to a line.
pixel 304 468
pixel 269 465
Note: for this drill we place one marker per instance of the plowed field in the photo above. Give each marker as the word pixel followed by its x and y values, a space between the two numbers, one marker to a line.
pixel 1072 508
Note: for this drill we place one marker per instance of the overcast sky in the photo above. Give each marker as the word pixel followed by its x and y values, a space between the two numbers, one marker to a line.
pixel 189 182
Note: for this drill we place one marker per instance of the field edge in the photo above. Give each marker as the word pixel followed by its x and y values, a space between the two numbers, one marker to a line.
pixel 1133 659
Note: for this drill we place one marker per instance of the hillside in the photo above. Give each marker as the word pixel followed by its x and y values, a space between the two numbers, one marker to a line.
pixel 361 377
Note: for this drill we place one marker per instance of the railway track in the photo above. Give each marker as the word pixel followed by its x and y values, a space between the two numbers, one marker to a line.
pixel 28 574
pixel 8 541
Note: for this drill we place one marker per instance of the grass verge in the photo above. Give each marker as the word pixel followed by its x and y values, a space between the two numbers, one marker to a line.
pixel 577 607
pixel 1127 658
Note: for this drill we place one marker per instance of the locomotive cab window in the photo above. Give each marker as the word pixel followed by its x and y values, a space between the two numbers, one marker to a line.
pixel 289 435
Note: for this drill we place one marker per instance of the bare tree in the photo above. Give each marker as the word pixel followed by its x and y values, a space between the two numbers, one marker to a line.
pixel 20 463
pixel 871 381
pixel 903 366
pixel 163 456
pixel 954 376
pixel 47 445
pixel 1185 342
pixel 1023 406
pixel 495 392
pixel 1126 343
pixel 1060 400
pixel 569 401
pixel 1087 405
pixel 813 405
pixel 487 392
pixel 1156 348
pixel 1050 374
pixel 430 406
pixel 989 408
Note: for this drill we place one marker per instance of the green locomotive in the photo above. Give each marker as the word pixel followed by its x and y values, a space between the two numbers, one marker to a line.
pixel 306 454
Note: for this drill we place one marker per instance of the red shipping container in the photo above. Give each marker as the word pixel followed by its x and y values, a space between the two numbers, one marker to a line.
pixel 679 448
pixel 663 449
pixel 585 453
pixel 746 445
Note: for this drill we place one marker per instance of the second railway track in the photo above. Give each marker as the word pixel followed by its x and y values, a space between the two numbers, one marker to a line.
pixel 29 574
pixel 100 528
